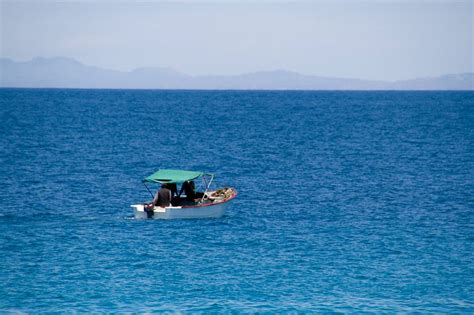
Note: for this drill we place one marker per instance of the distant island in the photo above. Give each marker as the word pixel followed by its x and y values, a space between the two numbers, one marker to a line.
pixel 63 72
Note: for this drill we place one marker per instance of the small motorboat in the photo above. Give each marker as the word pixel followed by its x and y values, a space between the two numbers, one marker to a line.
pixel 206 204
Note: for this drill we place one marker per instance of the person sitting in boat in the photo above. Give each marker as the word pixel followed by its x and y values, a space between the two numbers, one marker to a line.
pixel 190 191
pixel 173 188
pixel 162 197
pixel 174 194
pixel 188 188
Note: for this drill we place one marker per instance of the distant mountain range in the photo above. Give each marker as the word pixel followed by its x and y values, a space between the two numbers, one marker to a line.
pixel 68 73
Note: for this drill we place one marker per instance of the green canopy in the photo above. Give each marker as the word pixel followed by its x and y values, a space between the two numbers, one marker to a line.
pixel 172 176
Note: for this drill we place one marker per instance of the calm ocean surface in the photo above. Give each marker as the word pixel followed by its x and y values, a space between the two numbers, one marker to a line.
pixel 348 201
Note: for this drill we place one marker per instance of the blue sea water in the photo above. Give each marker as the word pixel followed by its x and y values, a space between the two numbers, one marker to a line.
pixel 348 201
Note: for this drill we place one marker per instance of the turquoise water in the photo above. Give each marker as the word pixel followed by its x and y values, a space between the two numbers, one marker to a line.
pixel 348 201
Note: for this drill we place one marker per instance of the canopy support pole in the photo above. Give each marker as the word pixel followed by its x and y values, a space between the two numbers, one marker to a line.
pixel 207 186
pixel 152 196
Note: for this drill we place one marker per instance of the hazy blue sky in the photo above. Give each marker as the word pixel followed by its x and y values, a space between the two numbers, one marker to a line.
pixel 387 40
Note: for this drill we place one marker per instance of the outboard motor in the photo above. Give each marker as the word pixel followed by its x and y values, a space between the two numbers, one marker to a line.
pixel 149 211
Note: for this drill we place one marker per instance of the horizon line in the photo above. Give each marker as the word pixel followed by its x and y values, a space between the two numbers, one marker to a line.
pixel 235 74
pixel 232 90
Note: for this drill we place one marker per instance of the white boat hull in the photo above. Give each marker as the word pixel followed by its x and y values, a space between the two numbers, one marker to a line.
pixel 213 207
pixel 211 211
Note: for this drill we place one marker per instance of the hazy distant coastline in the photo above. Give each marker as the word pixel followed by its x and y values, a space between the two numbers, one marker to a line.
pixel 63 72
